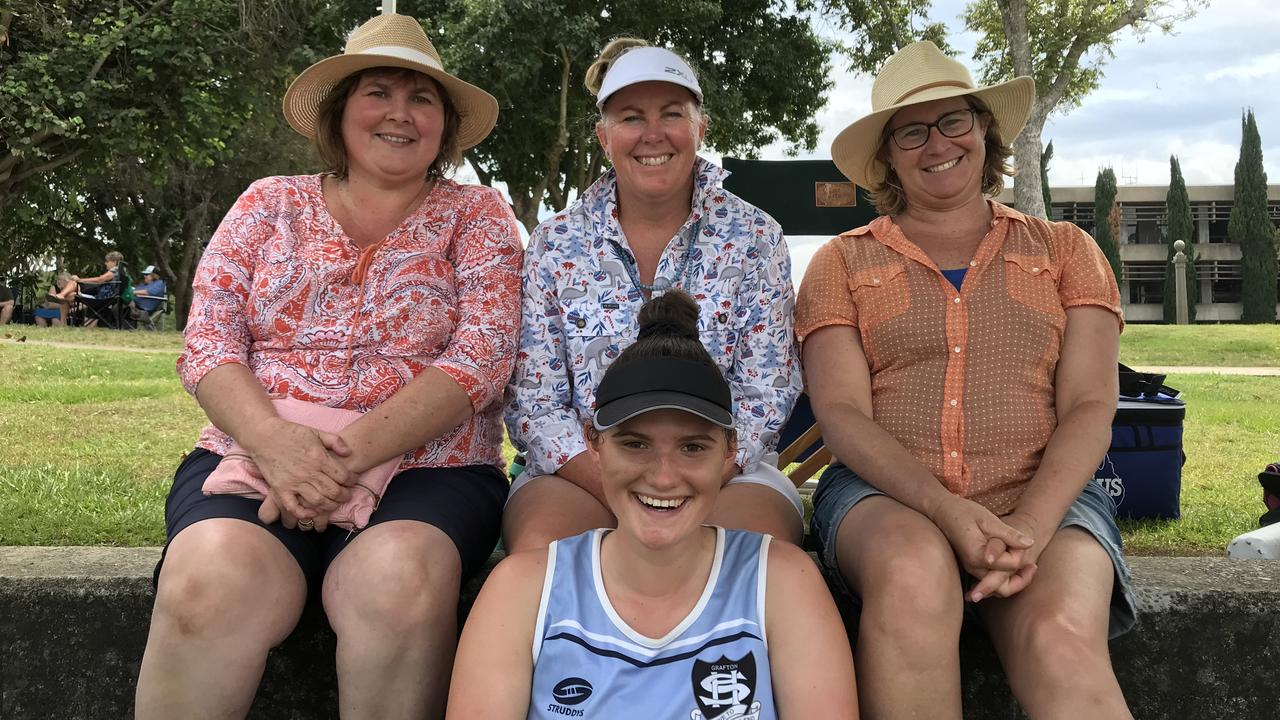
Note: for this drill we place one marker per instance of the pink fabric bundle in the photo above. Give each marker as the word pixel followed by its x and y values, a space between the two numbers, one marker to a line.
pixel 237 475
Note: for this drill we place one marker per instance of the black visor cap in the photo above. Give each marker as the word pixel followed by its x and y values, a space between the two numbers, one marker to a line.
pixel 662 383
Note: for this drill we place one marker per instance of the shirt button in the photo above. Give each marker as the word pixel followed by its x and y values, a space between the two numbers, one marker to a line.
pixel 876 281
pixel 953 403
pixel 582 322
pixel 973 263
pixel 956 300
pixel 956 348
pixel 1035 269
pixel 954 453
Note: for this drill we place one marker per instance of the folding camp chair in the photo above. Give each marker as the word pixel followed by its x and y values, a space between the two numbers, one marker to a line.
pixel 107 303
pixel 150 320
pixel 801 440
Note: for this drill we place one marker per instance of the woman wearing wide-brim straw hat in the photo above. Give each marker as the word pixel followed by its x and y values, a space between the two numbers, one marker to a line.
pixel 961 360
pixel 380 287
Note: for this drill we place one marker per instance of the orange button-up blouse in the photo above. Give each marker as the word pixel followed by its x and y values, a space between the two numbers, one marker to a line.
pixel 963 379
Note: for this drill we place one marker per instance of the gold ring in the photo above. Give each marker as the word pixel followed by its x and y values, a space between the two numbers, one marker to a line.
pixel 306 524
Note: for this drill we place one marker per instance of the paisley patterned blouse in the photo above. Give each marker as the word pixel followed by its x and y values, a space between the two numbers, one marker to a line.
pixel 282 290
pixel 580 307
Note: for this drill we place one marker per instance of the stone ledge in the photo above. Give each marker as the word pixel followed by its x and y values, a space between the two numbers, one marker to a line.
pixel 73 625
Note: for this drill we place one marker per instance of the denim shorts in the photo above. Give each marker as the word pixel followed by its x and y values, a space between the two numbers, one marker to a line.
pixel 1093 511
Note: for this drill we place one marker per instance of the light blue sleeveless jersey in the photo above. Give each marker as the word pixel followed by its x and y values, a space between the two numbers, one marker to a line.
pixel 714 665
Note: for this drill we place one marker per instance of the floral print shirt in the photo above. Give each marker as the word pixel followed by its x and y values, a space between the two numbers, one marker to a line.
pixel 580 307
pixel 282 290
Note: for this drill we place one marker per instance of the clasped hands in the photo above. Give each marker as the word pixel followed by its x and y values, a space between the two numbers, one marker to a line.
pixel 305 469
pixel 1000 552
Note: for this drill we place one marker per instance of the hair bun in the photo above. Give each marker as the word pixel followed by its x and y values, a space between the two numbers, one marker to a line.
pixel 674 314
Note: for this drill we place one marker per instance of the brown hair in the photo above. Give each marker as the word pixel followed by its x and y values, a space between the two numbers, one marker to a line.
pixel 891 199
pixel 669 329
pixel 328 137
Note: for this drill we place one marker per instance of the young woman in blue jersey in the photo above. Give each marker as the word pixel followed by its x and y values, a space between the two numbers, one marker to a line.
pixel 664 617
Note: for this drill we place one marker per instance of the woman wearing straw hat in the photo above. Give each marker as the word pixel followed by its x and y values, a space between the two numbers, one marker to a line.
pixel 379 287
pixel 961 358
pixel 657 220
pixel 664 617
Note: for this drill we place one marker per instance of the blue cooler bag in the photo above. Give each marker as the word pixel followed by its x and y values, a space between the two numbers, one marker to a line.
pixel 1142 471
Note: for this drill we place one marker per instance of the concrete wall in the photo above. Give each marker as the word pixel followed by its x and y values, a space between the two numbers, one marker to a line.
pixel 73 625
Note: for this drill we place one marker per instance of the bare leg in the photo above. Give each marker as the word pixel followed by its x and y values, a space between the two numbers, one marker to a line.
pixel 751 506
pixel 228 593
pixel 392 598
pixel 904 570
pixel 1052 636
pixel 550 508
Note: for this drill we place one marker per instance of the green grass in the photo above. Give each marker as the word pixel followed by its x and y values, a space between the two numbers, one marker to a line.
pixel 90 437
pixel 1203 345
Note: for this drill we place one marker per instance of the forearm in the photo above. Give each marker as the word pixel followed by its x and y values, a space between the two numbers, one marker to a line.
pixel 879 458
pixel 1070 459
pixel 235 402
pixel 426 408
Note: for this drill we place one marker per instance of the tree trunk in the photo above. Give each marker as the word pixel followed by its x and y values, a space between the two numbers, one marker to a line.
pixel 1028 193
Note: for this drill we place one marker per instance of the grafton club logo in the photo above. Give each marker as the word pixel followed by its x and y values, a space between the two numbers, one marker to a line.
pixel 725 689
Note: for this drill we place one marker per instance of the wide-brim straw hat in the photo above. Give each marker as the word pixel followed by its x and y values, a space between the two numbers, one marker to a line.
pixel 396 41
pixel 919 73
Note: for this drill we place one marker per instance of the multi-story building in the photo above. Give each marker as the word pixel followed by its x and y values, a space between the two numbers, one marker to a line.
pixel 1143 244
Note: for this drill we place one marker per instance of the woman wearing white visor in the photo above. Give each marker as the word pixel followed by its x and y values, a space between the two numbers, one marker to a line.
pixel 657 220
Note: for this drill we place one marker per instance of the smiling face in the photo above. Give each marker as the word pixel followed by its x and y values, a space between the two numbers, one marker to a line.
pixel 651 132
pixel 661 473
pixel 943 172
pixel 392 125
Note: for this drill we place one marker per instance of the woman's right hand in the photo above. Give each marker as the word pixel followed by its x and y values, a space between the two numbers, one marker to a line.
pixel 301 466
pixel 982 541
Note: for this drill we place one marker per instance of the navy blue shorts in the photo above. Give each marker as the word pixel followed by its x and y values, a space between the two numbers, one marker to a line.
pixel 464 502
pixel 840 489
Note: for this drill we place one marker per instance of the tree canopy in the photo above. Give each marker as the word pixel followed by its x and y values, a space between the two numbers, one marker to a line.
pixel 1106 215
pixel 1252 228
pixel 1180 227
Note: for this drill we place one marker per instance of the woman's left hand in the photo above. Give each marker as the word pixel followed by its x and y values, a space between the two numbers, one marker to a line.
pixel 1005 583
pixel 269 512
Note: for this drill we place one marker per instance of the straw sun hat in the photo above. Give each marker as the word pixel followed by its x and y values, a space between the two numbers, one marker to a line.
pixel 389 41
pixel 920 73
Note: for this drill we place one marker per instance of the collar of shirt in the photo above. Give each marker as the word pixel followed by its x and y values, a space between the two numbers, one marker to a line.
pixel 601 201
pixel 888 233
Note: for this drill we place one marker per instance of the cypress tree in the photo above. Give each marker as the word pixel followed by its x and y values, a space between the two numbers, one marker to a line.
pixel 1251 227
pixel 1180 226
pixel 1104 201
pixel 1045 157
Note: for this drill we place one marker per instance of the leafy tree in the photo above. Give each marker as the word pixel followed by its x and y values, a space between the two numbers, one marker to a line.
pixel 1181 227
pixel 1044 178
pixel 1063 44
pixel 763 72
pixel 1250 226
pixel 1107 215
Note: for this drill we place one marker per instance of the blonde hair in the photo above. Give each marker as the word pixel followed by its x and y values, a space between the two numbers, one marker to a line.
pixel 328 135
pixel 115 256
pixel 889 197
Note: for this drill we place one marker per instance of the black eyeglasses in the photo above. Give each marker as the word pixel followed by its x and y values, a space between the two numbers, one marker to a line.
pixel 952 125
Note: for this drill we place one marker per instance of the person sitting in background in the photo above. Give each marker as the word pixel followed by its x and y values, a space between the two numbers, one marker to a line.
pixel 53 309
pixel 149 294
pixel 6 302
pixel 100 292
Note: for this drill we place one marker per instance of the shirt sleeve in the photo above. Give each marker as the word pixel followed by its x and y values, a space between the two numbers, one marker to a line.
pixel 541 419
pixel 765 379
pixel 217 332
pixel 1085 277
pixel 824 297
pixel 486 258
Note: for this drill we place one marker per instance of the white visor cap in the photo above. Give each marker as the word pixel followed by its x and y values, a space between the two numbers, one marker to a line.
pixel 642 65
